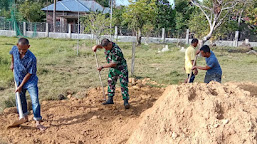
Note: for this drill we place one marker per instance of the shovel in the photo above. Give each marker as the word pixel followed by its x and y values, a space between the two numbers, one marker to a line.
pixel 21 115
pixel 97 65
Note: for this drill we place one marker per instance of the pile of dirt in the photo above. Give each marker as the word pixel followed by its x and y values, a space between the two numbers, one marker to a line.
pixel 83 120
pixel 187 113
pixel 201 113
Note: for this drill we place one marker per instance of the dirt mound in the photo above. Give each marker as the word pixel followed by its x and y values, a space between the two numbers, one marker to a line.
pixel 83 120
pixel 201 113
pixel 188 113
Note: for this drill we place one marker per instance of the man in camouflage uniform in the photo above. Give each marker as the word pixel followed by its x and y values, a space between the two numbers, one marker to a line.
pixel 118 69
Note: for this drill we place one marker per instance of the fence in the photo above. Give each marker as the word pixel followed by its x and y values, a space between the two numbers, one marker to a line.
pixel 73 28
pixel 120 34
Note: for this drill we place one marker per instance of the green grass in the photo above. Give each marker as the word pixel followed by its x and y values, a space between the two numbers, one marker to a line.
pixel 60 70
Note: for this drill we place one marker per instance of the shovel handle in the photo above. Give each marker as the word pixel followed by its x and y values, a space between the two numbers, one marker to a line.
pixel 97 65
pixel 18 98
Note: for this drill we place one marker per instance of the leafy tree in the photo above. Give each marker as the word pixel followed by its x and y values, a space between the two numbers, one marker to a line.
pixel 97 24
pixel 31 11
pixel 198 23
pixel 216 12
pixel 147 30
pixel 184 11
pixel 251 14
pixel 165 15
pixel 104 3
pixel 4 8
pixel 138 13
pixel 4 4
pixel 117 16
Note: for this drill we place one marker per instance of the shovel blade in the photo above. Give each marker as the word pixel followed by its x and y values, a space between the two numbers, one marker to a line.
pixel 102 100
pixel 17 123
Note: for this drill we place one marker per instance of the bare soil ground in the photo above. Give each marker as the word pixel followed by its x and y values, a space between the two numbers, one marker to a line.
pixel 187 113
pixel 83 120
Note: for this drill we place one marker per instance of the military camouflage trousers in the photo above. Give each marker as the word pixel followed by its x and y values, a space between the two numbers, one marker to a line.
pixel 113 76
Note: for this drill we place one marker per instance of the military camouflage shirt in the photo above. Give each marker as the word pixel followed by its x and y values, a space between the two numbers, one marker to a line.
pixel 115 55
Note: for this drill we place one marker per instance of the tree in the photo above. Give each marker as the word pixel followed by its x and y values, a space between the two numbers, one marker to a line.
pixel 215 12
pixel 147 30
pixel 197 24
pixel 251 14
pixel 104 3
pixel 31 11
pixel 4 8
pixel 4 5
pixel 41 2
pixel 97 24
pixel 117 17
pixel 138 14
pixel 165 15
pixel 184 11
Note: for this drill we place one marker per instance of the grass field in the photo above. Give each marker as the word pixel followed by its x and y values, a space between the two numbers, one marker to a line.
pixel 60 70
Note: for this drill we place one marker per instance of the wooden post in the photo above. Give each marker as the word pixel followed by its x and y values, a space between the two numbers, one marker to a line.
pixel 31 26
pixel 54 16
pixel 14 28
pixel 24 29
pixel 236 39
pixel 111 3
pixel 47 30
pixel 69 30
pixel 116 33
pixel 78 34
pixel 187 37
pixel 133 58
pixel 163 35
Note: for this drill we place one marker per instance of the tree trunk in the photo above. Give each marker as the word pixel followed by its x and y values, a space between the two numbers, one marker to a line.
pixel 206 38
pixel 239 19
pixel 139 37
pixel 121 32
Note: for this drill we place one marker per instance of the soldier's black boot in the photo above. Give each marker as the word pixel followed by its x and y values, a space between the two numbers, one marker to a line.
pixel 126 104
pixel 109 101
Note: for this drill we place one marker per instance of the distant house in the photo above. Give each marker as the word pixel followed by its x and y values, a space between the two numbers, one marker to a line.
pixel 67 12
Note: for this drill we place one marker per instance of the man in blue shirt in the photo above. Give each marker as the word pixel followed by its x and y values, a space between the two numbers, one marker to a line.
pixel 213 68
pixel 24 65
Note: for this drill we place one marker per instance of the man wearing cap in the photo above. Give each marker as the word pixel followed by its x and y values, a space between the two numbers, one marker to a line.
pixel 117 69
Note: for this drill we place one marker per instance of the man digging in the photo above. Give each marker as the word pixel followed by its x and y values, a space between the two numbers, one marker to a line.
pixel 118 69
pixel 24 65
pixel 213 68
